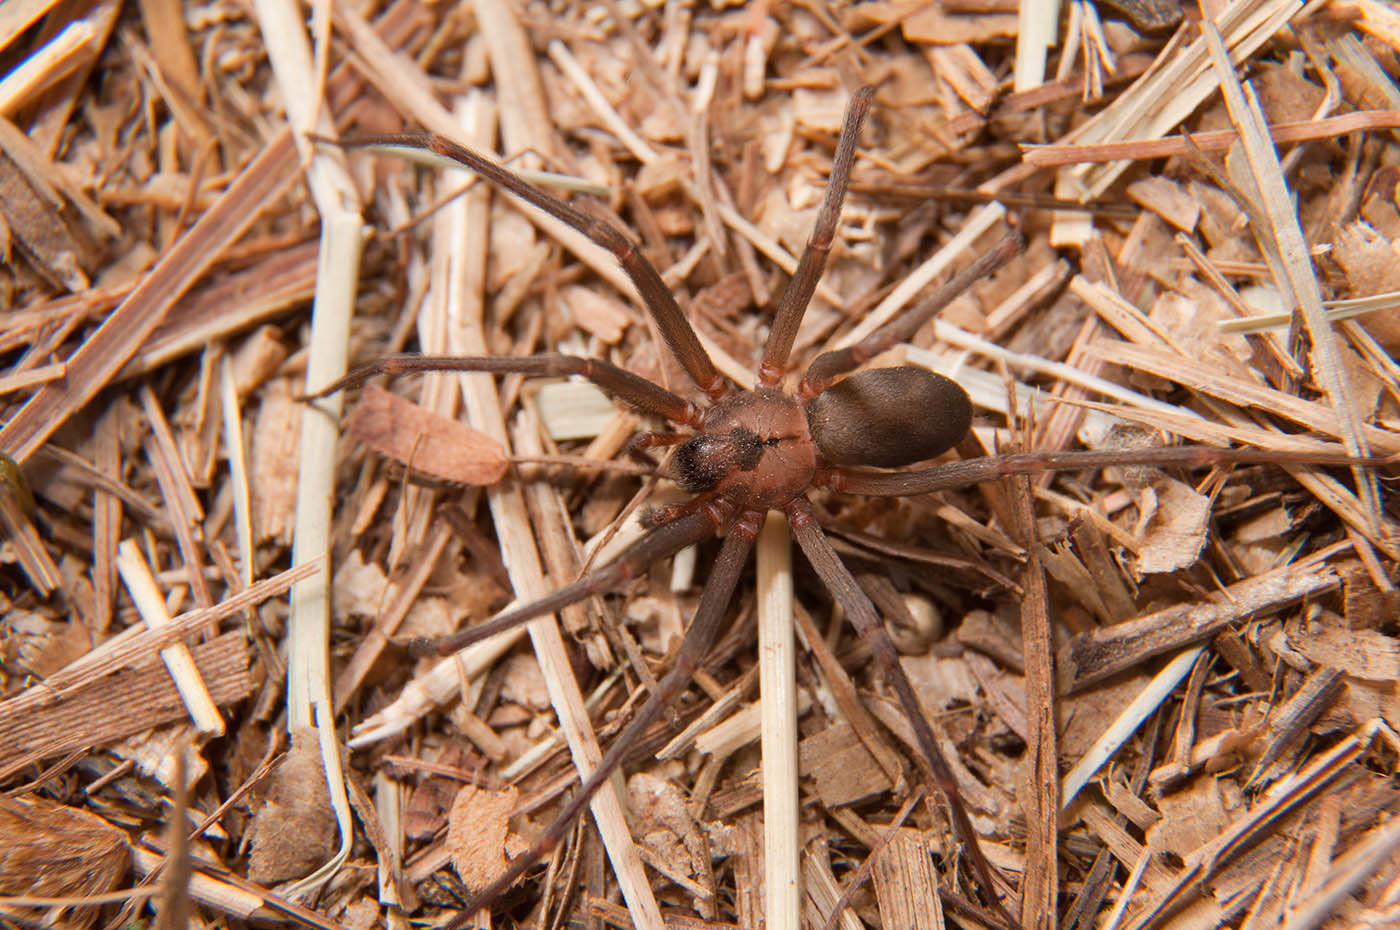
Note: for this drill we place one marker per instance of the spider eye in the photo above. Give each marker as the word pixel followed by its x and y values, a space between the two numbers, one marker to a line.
pixel 704 460
pixel 700 463
pixel 887 417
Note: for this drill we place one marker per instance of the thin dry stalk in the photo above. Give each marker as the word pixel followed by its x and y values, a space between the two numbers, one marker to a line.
pixel 1298 279
pixel 144 593
pixel 777 688
pixel 103 353
pixel 337 201
pixel 1040 883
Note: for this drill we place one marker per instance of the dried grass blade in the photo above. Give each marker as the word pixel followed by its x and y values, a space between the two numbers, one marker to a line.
pixel 338 204
pixel 1177 83
pixel 236 450
pixel 180 501
pixel 142 588
pixel 15 505
pixel 1037 23
pixel 982 220
pixel 280 281
pixel 135 644
pixel 1127 722
pixel 1238 391
pixel 1220 140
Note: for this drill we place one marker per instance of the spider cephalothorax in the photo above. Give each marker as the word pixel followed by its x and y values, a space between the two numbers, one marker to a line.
pixel 752 446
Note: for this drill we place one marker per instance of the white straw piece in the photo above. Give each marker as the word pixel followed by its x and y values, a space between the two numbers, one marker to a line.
pixel 1127 723
pixel 777 678
pixel 136 574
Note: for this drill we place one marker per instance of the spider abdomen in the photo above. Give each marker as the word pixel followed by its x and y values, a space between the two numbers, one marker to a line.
pixel 887 417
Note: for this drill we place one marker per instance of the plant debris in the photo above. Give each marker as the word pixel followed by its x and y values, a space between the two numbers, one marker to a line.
pixel 1169 694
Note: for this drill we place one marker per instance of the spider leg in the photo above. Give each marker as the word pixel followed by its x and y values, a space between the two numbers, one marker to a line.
pixel 659 516
pixel 798 293
pixel 853 600
pixel 618 382
pixel 973 471
pixel 656 296
pixel 664 540
pixel 705 626
pixel 826 367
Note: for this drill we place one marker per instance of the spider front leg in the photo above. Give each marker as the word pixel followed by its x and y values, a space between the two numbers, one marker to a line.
pixel 848 593
pixel 705 626
pixel 617 382
pixel 828 366
pixel 658 300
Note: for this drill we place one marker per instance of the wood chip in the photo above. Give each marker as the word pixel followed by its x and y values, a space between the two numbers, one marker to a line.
pixel 1172 528
pixel 844 770
pixel 425 441
pixel 478 834
pixel 293 831
pixel 35 726
pixel 905 883
pixel 38 842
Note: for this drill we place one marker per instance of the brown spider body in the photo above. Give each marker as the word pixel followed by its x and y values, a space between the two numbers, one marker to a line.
pixel 751 451
pixel 761 449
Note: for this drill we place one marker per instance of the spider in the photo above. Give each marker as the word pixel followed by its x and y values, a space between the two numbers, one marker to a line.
pixel 749 451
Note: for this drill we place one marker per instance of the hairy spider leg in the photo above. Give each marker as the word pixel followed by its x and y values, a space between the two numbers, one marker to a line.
pixel 792 305
pixel 617 382
pixel 701 633
pixel 858 607
pixel 662 541
pixel 657 299
pixel 989 468
pixel 825 368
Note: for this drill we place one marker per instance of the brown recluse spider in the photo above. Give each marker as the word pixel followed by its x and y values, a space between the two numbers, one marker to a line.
pixel 751 451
